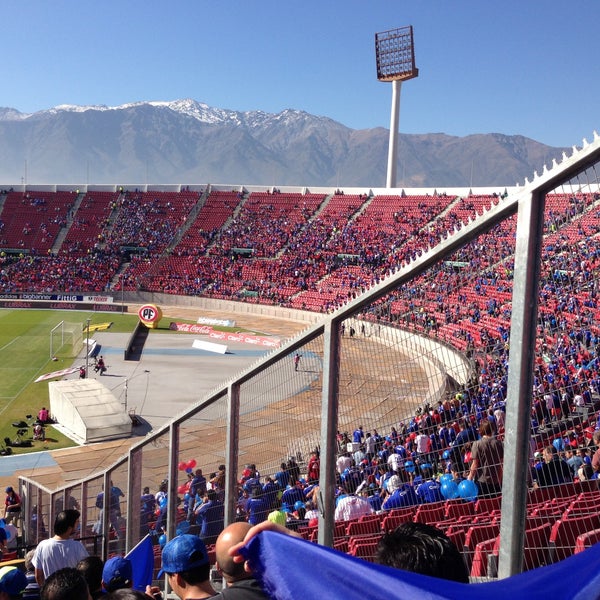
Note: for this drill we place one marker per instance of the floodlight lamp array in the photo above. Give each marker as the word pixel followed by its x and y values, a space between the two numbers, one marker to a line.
pixel 395 54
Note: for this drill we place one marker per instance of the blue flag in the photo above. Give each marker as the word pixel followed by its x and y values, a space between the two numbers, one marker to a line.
pixel 142 560
pixel 289 568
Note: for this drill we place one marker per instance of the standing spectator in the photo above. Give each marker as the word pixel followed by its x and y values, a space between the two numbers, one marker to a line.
pixel 12 582
pixel 12 506
pixel 210 517
pixel 358 435
pixel 282 477
pixel 91 568
pixel 43 415
pixel 186 564
pixel 487 456
pixel 314 467
pixel 59 551
pixel 147 507
pixel 238 582
pixel 65 584
pixel 197 490
pixel 117 574
pixel 257 507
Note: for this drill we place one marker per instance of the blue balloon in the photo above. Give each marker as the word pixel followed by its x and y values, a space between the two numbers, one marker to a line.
pixel 450 490
pixel 446 477
pixel 162 540
pixel 559 444
pixel 409 465
pixel 467 490
pixel 189 470
pixel 183 528
pixel 446 454
pixel 298 504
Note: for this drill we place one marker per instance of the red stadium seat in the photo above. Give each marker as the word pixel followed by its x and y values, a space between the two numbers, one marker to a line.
pixel 587 539
pixel 565 532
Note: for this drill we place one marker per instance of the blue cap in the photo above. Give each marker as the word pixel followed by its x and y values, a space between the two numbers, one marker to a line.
pixel 117 573
pixel 183 553
pixel 12 581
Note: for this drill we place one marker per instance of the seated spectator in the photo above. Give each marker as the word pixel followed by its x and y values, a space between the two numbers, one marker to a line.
pixel 402 495
pixel 430 490
pixel 554 471
pixel 32 591
pixel 352 506
pixel 422 549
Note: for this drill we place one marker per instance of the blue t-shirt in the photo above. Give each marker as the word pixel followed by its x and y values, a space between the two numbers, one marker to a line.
pixel 210 517
pixel 258 509
pixel 292 495
pixel 430 491
pixel 402 497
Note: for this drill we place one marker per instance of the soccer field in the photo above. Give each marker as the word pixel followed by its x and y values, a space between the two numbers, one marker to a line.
pixel 25 355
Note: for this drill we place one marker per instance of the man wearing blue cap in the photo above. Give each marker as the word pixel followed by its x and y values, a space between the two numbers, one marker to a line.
pixel 12 582
pixel 186 564
pixel 117 574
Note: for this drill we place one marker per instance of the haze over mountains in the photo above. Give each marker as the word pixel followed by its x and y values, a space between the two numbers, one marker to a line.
pixel 188 142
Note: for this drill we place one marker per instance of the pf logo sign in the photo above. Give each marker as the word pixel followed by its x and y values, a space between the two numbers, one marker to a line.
pixel 150 315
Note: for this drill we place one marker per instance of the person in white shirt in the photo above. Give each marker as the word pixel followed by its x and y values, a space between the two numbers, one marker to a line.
pixel 59 551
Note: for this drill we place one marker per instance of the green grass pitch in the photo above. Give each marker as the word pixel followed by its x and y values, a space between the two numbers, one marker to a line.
pixel 25 355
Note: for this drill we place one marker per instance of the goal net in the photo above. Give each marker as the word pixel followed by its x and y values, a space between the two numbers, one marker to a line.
pixel 66 340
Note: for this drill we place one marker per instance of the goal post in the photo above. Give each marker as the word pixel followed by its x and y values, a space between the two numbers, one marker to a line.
pixel 66 340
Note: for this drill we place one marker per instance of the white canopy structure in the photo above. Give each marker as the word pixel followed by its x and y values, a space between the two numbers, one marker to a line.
pixel 88 411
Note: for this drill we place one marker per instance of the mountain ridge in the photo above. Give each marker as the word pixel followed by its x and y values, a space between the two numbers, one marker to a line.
pixel 186 141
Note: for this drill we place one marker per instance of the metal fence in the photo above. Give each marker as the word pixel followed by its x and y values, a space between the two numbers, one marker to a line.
pixel 492 318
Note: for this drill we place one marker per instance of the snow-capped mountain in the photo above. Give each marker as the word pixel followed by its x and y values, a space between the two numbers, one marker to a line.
pixel 185 141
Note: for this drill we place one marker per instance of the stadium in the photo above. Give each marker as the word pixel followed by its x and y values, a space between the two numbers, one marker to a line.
pixel 410 301
pixel 403 356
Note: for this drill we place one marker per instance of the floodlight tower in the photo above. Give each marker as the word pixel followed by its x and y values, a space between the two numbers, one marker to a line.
pixel 395 54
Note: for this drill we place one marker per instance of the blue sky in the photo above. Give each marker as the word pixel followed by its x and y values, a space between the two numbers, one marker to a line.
pixel 513 67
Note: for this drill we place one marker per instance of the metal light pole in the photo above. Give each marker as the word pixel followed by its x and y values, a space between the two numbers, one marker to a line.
pixel 395 55
pixel 87 348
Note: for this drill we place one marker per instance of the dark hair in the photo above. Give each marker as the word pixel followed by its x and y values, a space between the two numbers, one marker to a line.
pixel 125 594
pixel 422 549
pixel 196 575
pixel 211 494
pixel 65 584
pixel 65 519
pixel 91 569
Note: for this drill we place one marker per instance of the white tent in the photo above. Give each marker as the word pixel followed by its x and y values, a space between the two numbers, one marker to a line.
pixel 88 411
